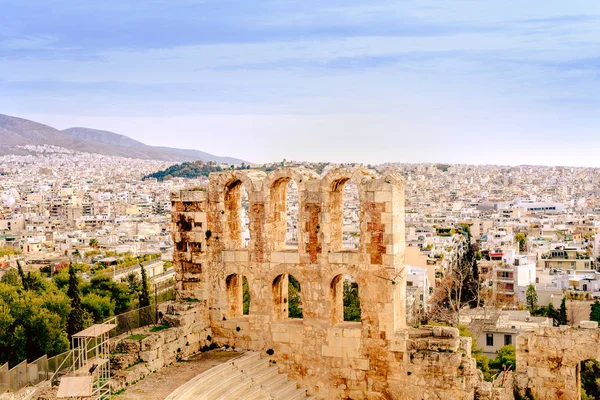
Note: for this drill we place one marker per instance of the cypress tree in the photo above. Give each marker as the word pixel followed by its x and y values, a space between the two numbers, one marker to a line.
pixel 22 275
pixel 562 313
pixel 144 296
pixel 75 320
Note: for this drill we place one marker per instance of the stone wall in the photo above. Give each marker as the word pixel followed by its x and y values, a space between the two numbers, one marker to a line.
pixel 377 358
pixel 133 359
pixel 548 360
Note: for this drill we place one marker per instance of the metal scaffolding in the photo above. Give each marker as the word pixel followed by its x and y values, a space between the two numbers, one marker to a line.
pixel 90 376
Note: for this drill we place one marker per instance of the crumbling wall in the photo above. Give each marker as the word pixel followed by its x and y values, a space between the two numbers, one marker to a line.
pixel 548 360
pixel 133 358
pixel 377 358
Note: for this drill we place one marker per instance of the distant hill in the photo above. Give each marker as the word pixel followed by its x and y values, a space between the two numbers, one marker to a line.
pixel 102 137
pixel 189 170
pixel 20 132
pixel 198 168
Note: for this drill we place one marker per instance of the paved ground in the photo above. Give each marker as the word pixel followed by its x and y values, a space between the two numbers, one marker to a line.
pixel 159 385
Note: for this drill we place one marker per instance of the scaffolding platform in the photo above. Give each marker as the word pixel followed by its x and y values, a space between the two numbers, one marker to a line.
pixel 90 375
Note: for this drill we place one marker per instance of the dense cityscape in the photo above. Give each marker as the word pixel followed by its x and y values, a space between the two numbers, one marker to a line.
pixel 530 226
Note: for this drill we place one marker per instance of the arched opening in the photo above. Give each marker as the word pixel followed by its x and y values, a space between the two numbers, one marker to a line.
pixel 238 296
pixel 284 200
pixel 345 215
pixel 287 297
pixel 246 296
pixel 346 300
pixel 292 205
pixel 236 208
pixel 589 377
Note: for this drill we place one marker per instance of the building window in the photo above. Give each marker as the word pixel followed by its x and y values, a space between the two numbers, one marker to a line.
pixel 507 340
pixel 489 339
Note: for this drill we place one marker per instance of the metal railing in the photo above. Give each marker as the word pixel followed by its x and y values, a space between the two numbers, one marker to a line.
pixel 44 368
pixel 22 375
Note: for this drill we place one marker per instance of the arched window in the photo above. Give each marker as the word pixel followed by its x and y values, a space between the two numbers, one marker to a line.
pixel 291 237
pixel 287 297
pixel 236 209
pixel 345 215
pixel 345 299
pixel 238 296
pixel 284 201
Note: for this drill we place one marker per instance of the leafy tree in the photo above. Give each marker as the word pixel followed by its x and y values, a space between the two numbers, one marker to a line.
pixel 105 286
pixel 133 283
pixel 506 358
pixel 522 240
pixel 294 298
pixel 94 243
pixel 75 320
pixel 100 307
pixel 11 277
pixel 548 311
pixel 246 292
pixel 531 298
pixel 562 313
pixel 144 297
pixel 595 313
pixel 351 302
pixel 590 376
pixel 30 325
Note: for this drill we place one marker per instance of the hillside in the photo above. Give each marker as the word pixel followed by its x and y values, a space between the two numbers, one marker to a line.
pixel 17 132
pixel 189 170
pixel 141 150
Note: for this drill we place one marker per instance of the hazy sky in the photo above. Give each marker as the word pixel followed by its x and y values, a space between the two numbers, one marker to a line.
pixel 472 81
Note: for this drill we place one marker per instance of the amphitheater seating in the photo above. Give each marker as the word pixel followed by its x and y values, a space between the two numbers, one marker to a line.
pixel 248 377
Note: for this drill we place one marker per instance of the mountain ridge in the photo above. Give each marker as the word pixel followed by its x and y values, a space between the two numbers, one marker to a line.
pixel 15 132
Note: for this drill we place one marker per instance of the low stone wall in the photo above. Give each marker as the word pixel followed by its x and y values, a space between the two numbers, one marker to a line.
pixel 133 358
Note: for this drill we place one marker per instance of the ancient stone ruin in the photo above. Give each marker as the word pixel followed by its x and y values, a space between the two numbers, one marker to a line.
pixel 376 358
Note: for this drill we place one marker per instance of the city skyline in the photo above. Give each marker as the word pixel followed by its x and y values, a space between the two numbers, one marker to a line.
pixel 341 82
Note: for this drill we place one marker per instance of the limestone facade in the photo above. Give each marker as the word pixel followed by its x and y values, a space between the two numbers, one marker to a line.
pixel 377 358
pixel 548 360
pixel 134 359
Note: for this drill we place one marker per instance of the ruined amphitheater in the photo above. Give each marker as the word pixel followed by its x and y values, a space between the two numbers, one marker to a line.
pixel 376 358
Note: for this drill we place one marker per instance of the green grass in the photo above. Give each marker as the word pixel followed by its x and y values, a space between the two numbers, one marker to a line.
pixel 158 328
pixel 138 336
pixel 190 300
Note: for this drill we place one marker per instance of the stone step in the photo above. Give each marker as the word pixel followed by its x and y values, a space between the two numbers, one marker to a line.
pixel 257 366
pixel 274 382
pixel 284 392
pixel 248 377
pixel 260 376
pixel 214 392
pixel 260 395
pixel 247 359
pixel 229 388
pixel 298 394
pixel 201 381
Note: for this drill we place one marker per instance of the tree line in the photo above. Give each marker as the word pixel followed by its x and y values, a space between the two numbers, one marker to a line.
pixel 39 315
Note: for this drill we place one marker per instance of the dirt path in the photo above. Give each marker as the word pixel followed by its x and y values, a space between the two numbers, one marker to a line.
pixel 159 385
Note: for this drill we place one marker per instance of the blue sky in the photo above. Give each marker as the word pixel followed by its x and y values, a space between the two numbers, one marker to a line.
pixel 505 82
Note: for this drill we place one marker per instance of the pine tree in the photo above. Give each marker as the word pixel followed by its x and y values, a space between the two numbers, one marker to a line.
pixel 144 296
pixel 562 313
pixel 75 320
